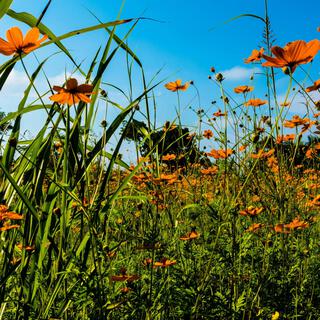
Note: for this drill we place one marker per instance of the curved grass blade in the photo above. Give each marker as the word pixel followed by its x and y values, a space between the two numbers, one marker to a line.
pixel 239 17
pixel 4 7
pixel 24 199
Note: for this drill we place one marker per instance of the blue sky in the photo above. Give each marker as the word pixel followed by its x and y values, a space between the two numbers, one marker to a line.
pixel 186 40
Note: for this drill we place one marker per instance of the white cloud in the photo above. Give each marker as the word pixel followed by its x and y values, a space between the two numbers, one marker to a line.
pixel 298 102
pixel 239 73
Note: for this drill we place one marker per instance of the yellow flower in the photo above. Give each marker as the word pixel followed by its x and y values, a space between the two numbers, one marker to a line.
pixel 275 316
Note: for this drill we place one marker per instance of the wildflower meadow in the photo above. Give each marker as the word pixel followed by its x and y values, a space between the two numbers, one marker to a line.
pixel 110 208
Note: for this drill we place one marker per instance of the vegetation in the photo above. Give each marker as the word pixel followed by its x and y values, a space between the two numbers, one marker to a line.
pixel 183 233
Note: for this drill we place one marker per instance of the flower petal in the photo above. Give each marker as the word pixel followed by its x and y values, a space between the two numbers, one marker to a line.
pixel 32 36
pixel 85 88
pixel 6 48
pixel 15 37
pixel 72 84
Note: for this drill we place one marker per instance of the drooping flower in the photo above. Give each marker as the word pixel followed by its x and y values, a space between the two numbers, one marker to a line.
pixel 262 154
pixel 220 154
pixel 254 227
pixel 280 228
pixel 210 170
pixel 285 138
pixel 177 85
pixel 295 122
pixel 297 224
pixel 256 55
pixel 193 234
pixel 255 102
pixel 315 86
pixel 251 211
pixel 124 276
pixel 243 89
pixel 8 226
pixel 164 262
pixel 73 93
pixel 16 44
pixel 169 157
pixel 219 113
pixel 293 54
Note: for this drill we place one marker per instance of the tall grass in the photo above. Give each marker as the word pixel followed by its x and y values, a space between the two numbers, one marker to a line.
pixel 183 233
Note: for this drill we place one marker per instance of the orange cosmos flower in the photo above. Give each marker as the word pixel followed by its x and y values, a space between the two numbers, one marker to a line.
pixel 210 171
pixel 73 93
pixel 124 276
pixel 243 147
pixel 220 154
pixel 251 211
pixel 208 134
pixel 219 113
pixel 7 226
pixel 193 234
pixel 280 228
pixel 164 262
pixel 243 89
pixel 293 54
pixel 285 104
pixel 295 122
pixel 254 227
pixel 168 157
pixel 297 224
pixel 315 86
pixel 255 102
pixel 256 55
pixel 262 155
pixel 17 45
pixel 285 138
pixel 27 248
pixel 177 85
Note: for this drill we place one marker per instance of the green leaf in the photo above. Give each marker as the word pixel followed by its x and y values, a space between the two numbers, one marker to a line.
pixel 4 6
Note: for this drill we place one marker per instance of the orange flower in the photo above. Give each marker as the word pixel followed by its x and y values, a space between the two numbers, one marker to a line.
pixel 295 122
pixel 219 113
pixel 311 153
pixel 297 224
pixel 280 228
pixel 243 147
pixel 262 155
pixel 285 138
pixel 316 86
pixel 166 178
pixel 256 55
pixel 255 102
pixel 251 211
pixel 8 227
pixel 27 248
pixel 73 93
pixel 254 227
pixel 124 276
pixel 3 208
pixel 164 262
pixel 208 134
pixel 243 89
pixel 193 234
pixel 209 171
pixel 177 85
pixel 285 104
pixel 220 154
pixel 168 157
pixel 17 45
pixel 293 54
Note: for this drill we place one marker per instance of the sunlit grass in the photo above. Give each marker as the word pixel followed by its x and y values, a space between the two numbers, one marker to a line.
pixel 215 222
